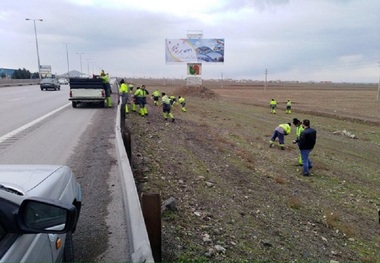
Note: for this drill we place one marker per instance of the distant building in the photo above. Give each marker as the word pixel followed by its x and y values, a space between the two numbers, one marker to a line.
pixel 6 72
pixel 71 74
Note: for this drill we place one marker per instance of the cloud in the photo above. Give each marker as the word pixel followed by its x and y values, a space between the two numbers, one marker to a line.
pixel 293 40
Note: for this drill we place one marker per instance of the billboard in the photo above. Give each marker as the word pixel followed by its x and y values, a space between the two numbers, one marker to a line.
pixel 194 51
pixel 45 71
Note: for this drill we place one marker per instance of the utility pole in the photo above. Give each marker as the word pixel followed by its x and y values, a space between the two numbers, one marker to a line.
pixel 80 59
pixel 266 75
pixel 221 80
pixel 378 87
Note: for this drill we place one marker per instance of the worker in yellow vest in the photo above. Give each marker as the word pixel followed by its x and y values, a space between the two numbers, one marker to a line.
pixel 156 96
pixel 124 93
pixel 289 107
pixel 140 95
pixel 299 129
pixel 273 105
pixel 280 131
pixel 166 107
pixel 182 101
pixel 107 87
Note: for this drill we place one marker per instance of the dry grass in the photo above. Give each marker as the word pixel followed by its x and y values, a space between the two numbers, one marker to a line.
pixel 294 202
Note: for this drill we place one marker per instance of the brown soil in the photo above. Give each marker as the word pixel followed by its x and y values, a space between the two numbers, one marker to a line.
pixel 239 200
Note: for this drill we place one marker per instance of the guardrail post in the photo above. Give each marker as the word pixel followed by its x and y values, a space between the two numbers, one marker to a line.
pixel 126 134
pixel 122 112
pixel 151 208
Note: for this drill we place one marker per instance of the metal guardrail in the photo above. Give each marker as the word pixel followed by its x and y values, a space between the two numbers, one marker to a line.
pixel 139 245
pixel 18 82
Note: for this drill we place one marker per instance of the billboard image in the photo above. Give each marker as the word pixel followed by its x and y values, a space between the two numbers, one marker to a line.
pixel 194 50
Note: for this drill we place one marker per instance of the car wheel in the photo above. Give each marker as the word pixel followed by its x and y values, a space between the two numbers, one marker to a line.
pixel 68 250
pixel 74 104
pixel 42 89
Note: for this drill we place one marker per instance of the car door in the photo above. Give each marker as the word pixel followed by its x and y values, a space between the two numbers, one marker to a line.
pixel 28 248
pixel 56 246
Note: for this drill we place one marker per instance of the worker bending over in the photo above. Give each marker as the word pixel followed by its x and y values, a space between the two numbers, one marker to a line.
pixel 280 131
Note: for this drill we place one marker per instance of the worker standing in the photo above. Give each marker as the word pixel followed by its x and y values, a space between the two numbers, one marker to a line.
pixel 135 100
pixel 107 87
pixel 299 129
pixel 124 93
pixel 131 87
pixel 141 98
pixel 306 144
pixel 156 96
pixel 182 101
pixel 273 105
pixel 288 107
pixel 280 131
pixel 173 100
pixel 166 107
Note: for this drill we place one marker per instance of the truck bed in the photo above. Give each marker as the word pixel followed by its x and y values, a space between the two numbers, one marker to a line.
pixel 80 83
pixel 86 91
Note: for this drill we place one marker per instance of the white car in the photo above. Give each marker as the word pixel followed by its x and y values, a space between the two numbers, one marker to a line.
pixel 63 81
pixel 39 211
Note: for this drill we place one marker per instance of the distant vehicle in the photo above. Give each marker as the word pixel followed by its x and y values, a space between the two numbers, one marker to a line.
pixel 39 211
pixel 49 83
pixel 63 81
pixel 87 91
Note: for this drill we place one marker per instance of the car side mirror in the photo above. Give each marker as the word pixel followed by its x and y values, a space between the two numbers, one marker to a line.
pixel 38 215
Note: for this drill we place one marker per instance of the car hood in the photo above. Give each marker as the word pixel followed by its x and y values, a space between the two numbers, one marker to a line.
pixel 20 179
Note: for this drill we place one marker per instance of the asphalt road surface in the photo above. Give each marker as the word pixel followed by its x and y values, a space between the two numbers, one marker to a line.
pixel 41 127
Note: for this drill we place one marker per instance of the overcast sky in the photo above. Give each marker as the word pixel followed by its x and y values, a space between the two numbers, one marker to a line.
pixel 305 40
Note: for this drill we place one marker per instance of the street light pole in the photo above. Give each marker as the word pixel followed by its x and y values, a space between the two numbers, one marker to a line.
pixel 266 77
pixel 38 54
pixel 67 58
pixel 93 67
pixel 88 67
pixel 80 58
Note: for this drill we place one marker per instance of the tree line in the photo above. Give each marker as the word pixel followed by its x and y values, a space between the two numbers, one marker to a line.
pixel 22 74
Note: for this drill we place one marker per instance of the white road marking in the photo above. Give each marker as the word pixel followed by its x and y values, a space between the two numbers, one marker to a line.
pixel 30 124
pixel 23 98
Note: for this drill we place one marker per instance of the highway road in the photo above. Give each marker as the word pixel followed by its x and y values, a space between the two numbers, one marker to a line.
pixel 41 127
